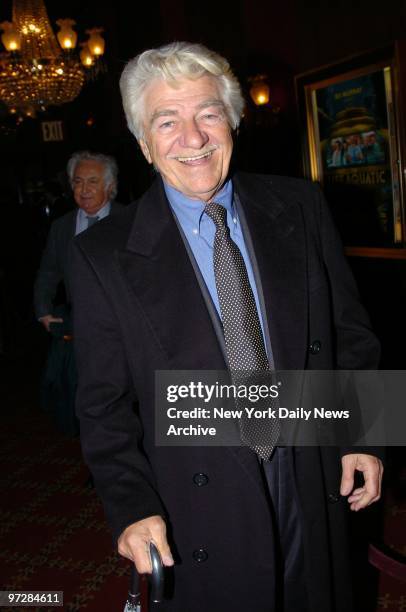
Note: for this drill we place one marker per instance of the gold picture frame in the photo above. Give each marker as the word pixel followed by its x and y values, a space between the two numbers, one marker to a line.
pixel 351 146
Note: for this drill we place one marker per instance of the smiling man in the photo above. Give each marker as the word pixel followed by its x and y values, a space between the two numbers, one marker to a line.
pixel 214 270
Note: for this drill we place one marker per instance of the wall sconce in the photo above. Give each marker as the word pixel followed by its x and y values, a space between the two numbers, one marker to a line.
pixel 259 90
pixel 261 95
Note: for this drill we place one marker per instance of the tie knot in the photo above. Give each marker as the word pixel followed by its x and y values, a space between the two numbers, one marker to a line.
pixel 217 213
pixel 91 220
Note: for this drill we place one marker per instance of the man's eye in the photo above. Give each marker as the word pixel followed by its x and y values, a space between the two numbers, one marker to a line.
pixel 211 117
pixel 166 125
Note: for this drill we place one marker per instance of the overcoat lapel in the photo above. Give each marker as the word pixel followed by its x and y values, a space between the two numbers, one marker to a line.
pixel 161 276
pixel 277 235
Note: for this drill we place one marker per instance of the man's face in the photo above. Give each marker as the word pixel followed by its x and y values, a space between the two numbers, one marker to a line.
pixel 187 135
pixel 89 188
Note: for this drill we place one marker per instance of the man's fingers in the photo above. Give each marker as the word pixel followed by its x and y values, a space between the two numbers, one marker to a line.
pixel 380 478
pixel 48 319
pixel 136 548
pixel 356 494
pixel 372 470
pixel 142 559
pixel 158 536
pixel 347 479
pixel 164 551
pixel 135 540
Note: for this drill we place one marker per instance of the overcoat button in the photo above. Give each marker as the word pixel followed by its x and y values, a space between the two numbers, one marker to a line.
pixel 200 479
pixel 333 498
pixel 315 347
pixel 200 555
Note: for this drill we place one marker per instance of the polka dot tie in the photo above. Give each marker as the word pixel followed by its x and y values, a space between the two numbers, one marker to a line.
pixel 245 347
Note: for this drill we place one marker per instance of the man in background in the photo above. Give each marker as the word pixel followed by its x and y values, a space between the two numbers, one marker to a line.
pixel 93 179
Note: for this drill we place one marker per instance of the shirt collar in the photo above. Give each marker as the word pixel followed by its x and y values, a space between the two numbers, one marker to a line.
pixel 104 211
pixel 189 210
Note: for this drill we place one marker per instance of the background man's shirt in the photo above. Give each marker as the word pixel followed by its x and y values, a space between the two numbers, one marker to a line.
pixel 82 221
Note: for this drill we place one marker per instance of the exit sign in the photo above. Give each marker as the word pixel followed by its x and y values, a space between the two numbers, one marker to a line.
pixel 52 131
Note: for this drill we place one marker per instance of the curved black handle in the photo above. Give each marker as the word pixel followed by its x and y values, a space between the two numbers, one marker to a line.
pixel 157 577
pixel 156 581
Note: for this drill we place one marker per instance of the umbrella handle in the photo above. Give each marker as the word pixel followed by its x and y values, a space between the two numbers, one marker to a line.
pixel 156 580
pixel 157 577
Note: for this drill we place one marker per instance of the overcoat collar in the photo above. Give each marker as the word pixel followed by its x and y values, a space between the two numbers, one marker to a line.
pixel 164 282
pixel 153 219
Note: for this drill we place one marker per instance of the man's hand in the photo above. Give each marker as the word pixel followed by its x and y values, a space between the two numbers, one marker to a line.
pixel 133 543
pixel 372 470
pixel 48 319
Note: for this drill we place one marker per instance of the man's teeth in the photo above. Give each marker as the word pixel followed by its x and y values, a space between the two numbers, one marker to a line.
pixel 187 159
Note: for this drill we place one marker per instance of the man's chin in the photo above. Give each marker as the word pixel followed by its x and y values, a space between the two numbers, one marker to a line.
pixel 87 206
pixel 202 192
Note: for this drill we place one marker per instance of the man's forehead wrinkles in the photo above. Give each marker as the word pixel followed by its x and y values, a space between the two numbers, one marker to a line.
pixel 86 175
pixel 211 102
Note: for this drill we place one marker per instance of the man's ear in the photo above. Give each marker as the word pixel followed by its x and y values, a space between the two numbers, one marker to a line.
pixel 145 150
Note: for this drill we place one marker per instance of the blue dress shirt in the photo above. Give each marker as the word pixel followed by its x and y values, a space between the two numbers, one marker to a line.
pixel 81 217
pixel 199 231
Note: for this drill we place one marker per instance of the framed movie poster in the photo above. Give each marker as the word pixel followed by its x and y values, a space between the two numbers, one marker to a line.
pixel 350 144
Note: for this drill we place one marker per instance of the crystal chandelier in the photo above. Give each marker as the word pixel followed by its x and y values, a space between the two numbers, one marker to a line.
pixel 36 71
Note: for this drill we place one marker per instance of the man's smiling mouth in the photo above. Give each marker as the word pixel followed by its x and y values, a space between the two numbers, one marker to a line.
pixel 195 157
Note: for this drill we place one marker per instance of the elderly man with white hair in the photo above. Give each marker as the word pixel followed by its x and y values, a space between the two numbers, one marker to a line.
pixel 93 178
pixel 213 269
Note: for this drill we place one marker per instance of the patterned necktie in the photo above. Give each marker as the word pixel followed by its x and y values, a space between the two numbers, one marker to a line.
pixel 91 220
pixel 245 347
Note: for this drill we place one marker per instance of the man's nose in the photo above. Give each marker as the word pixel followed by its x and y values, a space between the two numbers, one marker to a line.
pixel 84 187
pixel 192 136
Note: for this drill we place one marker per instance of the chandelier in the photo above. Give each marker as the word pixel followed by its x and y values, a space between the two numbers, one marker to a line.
pixel 39 69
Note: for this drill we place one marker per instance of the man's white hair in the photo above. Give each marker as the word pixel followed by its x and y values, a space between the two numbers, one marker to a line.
pixel 171 62
pixel 109 163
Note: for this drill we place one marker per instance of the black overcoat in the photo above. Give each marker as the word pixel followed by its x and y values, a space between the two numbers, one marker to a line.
pixel 55 260
pixel 138 308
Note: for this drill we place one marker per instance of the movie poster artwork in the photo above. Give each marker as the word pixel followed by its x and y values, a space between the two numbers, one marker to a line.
pixel 353 128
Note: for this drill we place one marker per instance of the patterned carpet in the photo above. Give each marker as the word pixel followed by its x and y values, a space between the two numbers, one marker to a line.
pixel 52 532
